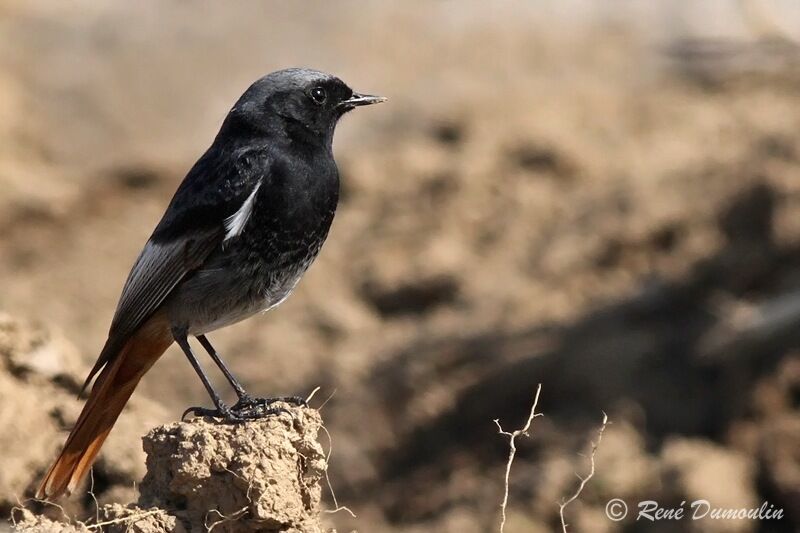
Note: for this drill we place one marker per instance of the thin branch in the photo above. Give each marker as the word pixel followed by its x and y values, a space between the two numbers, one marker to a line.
pixel 91 493
pixel 336 505
pixel 236 514
pixel 512 444
pixel 123 519
pixel 21 506
pixel 313 392
pixel 224 518
pixel 584 480
pixel 326 400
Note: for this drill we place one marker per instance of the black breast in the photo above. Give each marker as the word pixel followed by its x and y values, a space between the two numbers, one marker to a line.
pixel 293 211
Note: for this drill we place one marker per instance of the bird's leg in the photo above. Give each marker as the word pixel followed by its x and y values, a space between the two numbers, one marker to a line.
pixel 247 406
pixel 222 410
pixel 237 386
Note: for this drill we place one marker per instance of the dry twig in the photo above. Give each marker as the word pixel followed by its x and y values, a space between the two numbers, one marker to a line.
pixel 512 444
pixel 326 400
pixel 133 517
pixel 584 480
pixel 313 392
pixel 21 507
pixel 91 493
pixel 236 514
pixel 336 505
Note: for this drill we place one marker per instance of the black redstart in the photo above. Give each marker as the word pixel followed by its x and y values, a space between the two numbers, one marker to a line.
pixel 244 225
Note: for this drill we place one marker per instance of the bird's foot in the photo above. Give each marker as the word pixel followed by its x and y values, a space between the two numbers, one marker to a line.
pixel 235 414
pixel 249 407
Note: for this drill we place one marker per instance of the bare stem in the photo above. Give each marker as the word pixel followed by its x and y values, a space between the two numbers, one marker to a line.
pixel 584 480
pixel 512 444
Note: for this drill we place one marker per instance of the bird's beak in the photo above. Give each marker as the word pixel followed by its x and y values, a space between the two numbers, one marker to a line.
pixel 362 99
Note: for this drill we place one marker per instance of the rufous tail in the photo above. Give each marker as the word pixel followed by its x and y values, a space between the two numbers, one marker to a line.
pixel 110 393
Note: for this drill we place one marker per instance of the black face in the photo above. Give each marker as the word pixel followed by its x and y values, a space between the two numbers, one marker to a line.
pixel 296 102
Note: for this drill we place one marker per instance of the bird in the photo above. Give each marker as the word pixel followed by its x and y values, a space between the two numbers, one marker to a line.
pixel 242 228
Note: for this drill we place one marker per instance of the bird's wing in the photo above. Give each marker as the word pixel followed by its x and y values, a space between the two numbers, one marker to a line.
pixel 158 269
pixel 211 206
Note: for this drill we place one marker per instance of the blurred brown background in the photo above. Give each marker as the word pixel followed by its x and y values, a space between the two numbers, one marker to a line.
pixel 601 197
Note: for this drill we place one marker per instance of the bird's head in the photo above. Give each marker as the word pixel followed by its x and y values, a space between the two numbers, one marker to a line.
pixel 300 104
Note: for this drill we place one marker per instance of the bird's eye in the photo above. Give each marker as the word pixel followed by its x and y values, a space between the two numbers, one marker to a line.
pixel 319 95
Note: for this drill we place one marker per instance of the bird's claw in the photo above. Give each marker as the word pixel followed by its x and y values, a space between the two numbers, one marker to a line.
pixel 246 403
pixel 252 408
pixel 257 412
pixel 247 408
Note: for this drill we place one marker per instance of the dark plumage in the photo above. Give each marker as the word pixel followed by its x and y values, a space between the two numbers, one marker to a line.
pixel 242 228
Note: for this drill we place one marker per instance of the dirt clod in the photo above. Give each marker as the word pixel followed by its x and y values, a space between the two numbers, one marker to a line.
pixel 203 475
pixel 259 476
